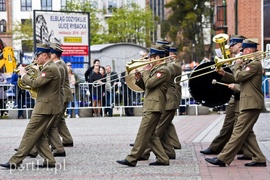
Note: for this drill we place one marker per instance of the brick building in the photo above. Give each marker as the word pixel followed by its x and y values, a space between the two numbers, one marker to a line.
pixel 248 18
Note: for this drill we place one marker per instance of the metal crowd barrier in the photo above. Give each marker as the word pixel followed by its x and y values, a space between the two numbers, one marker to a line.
pixel 13 100
pixel 265 89
pixel 121 97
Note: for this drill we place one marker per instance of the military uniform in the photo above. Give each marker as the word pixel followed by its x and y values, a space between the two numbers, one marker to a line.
pixel 232 110
pixel 62 126
pixel 171 132
pixel 44 114
pixel 251 104
pixel 53 134
pixel 155 83
pixel 162 129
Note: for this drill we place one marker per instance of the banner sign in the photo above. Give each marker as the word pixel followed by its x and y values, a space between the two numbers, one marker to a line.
pixel 70 29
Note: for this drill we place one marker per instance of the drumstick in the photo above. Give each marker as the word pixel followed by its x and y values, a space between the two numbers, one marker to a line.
pixel 216 82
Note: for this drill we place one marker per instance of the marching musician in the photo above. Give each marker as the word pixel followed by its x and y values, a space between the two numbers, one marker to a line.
pixel 172 103
pixel 63 130
pixel 171 133
pixel 165 129
pixel 44 114
pixel 232 109
pixel 249 75
pixel 60 127
pixel 154 81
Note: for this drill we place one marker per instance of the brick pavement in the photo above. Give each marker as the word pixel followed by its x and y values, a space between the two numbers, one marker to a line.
pixel 99 142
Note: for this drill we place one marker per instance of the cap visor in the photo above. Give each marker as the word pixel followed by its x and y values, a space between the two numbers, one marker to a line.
pixel 232 44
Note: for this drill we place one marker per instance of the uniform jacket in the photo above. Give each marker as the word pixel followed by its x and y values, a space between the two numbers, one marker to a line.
pixel 47 84
pixel 250 79
pixel 155 85
pixel 229 78
pixel 171 92
pixel 178 94
pixel 62 73
pixel 67 92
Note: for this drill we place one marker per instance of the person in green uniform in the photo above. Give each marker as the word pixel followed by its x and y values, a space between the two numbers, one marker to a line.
pixel 165 126
pixel 44 114
pixel 63 130
pixel 232 109
pixel 249 75
pixel 154 81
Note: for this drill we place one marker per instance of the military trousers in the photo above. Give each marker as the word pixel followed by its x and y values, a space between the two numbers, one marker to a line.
pixel 54 137
pixel 146 136
pixel 63 129
pixel 171 131
pixel 35 134
pixel 225 133
pixel 162 132
pixel 243 135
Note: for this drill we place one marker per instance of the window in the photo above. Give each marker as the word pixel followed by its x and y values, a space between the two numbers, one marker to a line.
pixel 94 3
pixel 2 5
pixel 26 5
pixel 26 21
pixel 63 4
pixel 112 5
pixel 129 2
pixel 3 26
pixel 46 4
pixel 26 45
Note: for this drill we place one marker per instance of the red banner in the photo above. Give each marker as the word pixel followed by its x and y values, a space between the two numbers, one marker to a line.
pixel 75 51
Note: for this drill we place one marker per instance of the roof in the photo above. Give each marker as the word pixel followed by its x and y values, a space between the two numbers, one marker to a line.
pixel 100 47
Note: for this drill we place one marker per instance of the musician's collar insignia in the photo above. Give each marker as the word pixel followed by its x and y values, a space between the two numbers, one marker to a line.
pixel 159 75
pixel 247 68
pixel 43 74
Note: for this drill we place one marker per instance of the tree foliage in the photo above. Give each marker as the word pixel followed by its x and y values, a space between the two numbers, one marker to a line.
pixel 130 24
pixel 186 24
pixel 24 31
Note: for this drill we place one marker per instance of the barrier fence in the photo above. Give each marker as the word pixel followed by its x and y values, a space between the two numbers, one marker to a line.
pixel 14 101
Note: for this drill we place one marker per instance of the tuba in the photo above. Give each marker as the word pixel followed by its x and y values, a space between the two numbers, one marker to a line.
pixel 33 73
pixel 221 40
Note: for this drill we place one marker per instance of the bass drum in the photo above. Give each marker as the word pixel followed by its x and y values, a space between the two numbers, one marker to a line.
pixel 202 89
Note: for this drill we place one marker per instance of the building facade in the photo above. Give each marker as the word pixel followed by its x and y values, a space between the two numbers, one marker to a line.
pixel 12 11
pixel 248 18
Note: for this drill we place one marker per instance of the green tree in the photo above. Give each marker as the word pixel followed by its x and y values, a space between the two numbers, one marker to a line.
pixel 188 19
pixel 130 24
pixel 87 6
pixel 23 32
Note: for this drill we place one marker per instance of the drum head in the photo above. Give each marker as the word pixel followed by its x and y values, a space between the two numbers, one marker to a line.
pixel 202 89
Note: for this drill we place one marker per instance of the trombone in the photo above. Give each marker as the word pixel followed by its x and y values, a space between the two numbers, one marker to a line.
pixel 219 62
pixel 133 64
